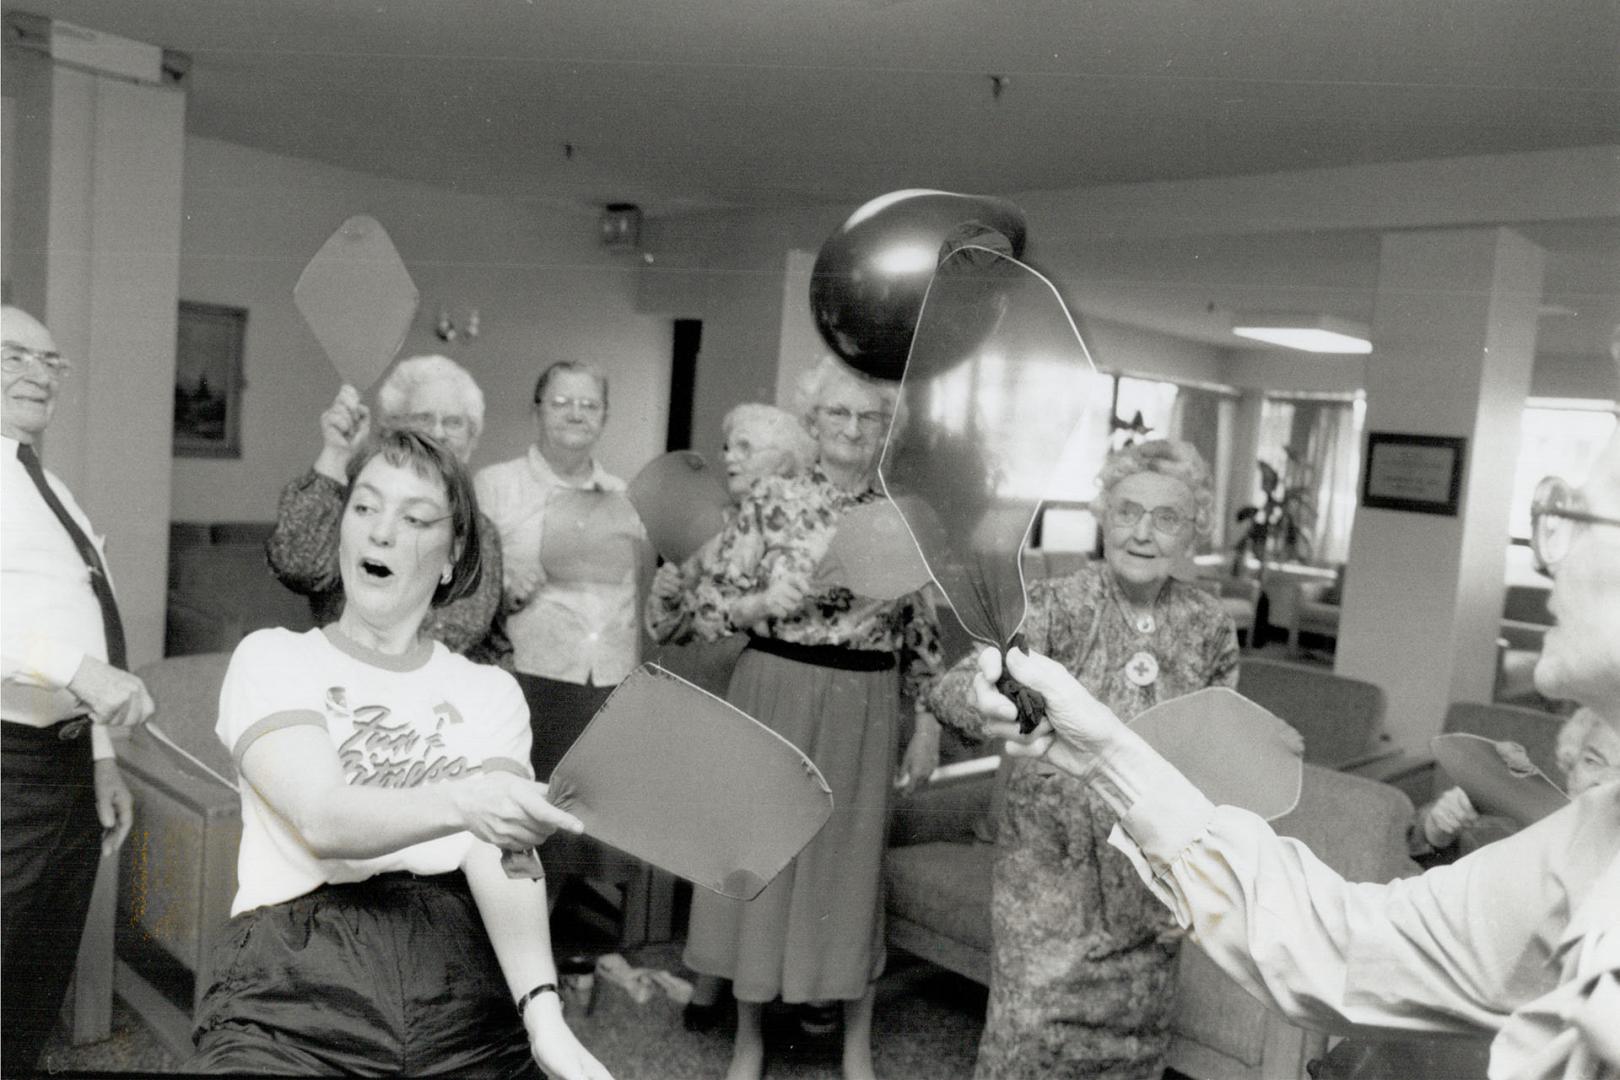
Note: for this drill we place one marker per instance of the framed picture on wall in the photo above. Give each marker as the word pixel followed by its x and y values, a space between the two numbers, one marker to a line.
pixel 208 380
pixel 1418 473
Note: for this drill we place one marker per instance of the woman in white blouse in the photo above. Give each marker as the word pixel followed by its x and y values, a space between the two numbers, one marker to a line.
pixel 575 563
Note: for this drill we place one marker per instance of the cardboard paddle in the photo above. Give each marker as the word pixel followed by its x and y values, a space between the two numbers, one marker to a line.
pixel 1234 751
pixel 358 299
pixel 682 502
pixel 681 779
pixel 1497 777
pixel 872 554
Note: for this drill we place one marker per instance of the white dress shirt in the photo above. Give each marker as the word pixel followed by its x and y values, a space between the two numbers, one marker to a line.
pixel 572 602
pixel 51 619
pixel 1520 938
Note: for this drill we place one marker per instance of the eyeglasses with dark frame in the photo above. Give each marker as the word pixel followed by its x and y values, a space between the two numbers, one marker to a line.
pixel 1555 511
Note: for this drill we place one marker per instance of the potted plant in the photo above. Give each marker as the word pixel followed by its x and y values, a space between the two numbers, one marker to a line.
pixel 1279 528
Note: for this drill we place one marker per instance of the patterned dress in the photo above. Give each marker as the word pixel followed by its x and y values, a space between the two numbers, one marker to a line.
pixel 1083 967
pixel 816 932
pixel 303 554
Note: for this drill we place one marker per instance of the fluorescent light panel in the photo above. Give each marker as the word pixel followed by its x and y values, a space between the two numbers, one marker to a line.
pixel 1307 333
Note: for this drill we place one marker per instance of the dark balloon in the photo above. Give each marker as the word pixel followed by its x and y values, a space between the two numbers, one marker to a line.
pixel 871 275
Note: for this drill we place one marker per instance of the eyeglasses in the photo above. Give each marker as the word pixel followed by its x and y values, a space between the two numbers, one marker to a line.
pixel 1166 519
pixel 1555 510
pixel 586 405
pixel 16 359
pixel 869 420
pixel 449 423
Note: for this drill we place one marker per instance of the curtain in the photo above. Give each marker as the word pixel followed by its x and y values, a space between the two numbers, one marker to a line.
pixel 1327 442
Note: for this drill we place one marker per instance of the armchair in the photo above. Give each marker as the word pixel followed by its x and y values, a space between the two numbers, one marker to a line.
pixel 1342 719
pixel 179 865
pixel 938 907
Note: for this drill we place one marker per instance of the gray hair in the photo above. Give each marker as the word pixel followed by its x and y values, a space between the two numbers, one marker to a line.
pixel 417 371
pixel 783 430
pixel 1167 457
pixel 814 385
pixel 1572 735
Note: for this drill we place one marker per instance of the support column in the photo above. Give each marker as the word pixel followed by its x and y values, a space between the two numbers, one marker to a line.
pixel 1454 339
pixel 96 218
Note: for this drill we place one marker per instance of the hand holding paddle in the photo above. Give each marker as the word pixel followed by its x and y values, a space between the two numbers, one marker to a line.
pixel 344 425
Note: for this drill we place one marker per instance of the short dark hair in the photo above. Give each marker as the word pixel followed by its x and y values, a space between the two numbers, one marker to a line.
pixel 428 458
pixel 544 381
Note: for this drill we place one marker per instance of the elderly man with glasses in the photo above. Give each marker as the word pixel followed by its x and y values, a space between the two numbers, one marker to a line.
pixel 1520 940
pixel 65 805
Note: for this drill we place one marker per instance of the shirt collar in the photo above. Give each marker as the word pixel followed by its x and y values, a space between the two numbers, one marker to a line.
pixel 600 479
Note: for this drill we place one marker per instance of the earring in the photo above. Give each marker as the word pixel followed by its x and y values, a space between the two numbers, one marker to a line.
pixel 449 572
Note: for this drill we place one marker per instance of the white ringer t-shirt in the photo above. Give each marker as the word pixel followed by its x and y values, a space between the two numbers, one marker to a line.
pixel 395 721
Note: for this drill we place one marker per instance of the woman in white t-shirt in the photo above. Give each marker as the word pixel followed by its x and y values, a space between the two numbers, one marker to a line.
pixel 375 930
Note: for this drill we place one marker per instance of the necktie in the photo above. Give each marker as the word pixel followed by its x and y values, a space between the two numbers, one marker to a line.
pixel 111 624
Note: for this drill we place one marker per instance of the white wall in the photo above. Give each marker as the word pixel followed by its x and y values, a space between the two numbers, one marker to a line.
pixel 544 288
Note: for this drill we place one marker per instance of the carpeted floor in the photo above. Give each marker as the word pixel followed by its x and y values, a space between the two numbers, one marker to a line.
pixel 926 1026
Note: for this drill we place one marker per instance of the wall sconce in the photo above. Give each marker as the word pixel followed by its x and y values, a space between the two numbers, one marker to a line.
pixel 449 330
pixel 1303 331
pixel 620 225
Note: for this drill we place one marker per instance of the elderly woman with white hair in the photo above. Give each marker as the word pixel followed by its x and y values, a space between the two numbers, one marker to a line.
pixel 823 669
pixel 760 441
pixel 1588 754
pixel 430 394
pixel 1083 957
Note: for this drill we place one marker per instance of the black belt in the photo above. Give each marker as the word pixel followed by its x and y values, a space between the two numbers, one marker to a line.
pixel 827 656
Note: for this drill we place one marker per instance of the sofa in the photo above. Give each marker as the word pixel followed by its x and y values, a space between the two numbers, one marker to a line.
pixel 938 875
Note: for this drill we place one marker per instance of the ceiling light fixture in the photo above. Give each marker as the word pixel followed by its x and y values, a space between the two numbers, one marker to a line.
pixel 1302 331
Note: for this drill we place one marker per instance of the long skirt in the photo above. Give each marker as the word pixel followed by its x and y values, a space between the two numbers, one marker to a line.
pixel 816 932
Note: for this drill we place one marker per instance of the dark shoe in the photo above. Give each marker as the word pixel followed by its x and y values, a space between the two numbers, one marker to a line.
pixel 708 1017
pixel 819 1017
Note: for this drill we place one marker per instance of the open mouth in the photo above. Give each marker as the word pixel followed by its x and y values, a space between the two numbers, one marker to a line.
pixel 376 569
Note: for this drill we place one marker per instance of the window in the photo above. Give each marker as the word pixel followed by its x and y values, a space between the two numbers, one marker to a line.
pixel 1124 409
pixel 1557 437
pixel 1314 443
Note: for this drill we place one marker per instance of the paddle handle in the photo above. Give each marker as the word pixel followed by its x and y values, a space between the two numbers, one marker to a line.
pixel 1031 705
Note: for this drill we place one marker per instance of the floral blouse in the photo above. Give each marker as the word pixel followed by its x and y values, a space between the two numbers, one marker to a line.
pixel 1081 621
pixel 782 529
pixel 303 554
pixel 668 615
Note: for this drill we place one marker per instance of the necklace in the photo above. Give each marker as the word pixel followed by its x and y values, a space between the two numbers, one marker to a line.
pixel 1140 618
pixel 1142 669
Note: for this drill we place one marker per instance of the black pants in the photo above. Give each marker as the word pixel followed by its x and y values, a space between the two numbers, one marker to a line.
pixel 50 844
pixel 392 976
pixel 558 712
